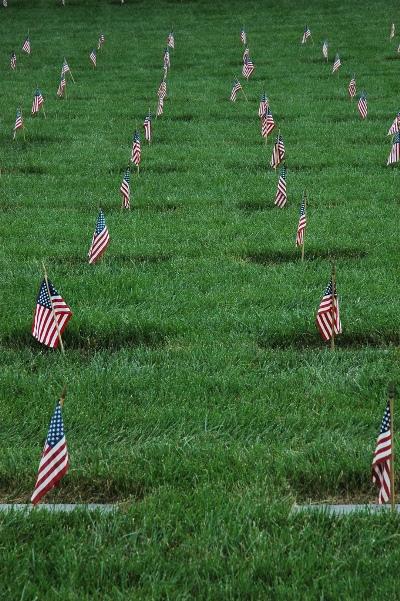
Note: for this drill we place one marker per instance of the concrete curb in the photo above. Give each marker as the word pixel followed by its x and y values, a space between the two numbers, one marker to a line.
pixel 344 509
pixel 58 507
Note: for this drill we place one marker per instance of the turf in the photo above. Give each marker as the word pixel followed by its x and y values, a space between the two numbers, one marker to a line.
pixel 199 393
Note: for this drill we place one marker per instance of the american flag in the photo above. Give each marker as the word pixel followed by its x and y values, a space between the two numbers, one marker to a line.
pixel 281 194
pixel 328 316
pixel 171 40
pixel 5 4
pixel 136 149
pixel 61 87
pixel 248 67
pixel 160 106
pixel 336 64
pixel 100 240
pixel 13 61
pixel 101 41
pixel 398 48
pixel 167 62
pixel 54 462
pixel 243 36
pixel 65 68
pixel 392 31
pixel 381 462
pixel 263 105
pixel 235 89
pixel 267 123
pixel 125 190
pixel 278 151
pixel 362 106
pixel 37 101
pixel 301 228
pixel 51 316
pixel 92 57
pixel 246 53
pixel 147 127
pixel 352 87
pixel 394 128
pixel 19 122
pixel 26 47
pixel 325 47
pixel 162 89
pixel 394 155
pixel 306 34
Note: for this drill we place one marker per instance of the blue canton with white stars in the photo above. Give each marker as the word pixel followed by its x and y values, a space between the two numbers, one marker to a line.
pixel 101 223
pixel 385 425
pixel 56 428
pixel 43 297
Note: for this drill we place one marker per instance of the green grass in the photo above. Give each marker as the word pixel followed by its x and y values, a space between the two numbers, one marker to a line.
pixel 199 393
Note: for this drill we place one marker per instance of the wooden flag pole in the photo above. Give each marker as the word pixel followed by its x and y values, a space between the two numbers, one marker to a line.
pixel 333 312
pixel 244 94
pixel 63 395
pixel 52 309
pixel 70 72
pixel 391 394
pixel 304 231
pixel 150 127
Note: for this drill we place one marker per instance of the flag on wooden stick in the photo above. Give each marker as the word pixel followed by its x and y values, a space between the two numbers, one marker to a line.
pixel 267 123
pixel 352 87
pixel 362 105
pixel 235 89
pixel 281 194
pixel 160 106
pixel 101 41
pixel 38 101
pixel 26 46
pixel 13 61
pixel 336 64
pixel 248 67
pixel 394 155
pixel 92 57
pixel 54 462
pixel 147 127
pixel 263 105
pixel 243 36
pixel 136 153
pixel 125 190
pixel 328 316
pixel 392 32
pixel 61 87
pixel 19 122
pixel 162 89
pixel 325 47
pixel 306 34
pixel 100 240
pixel 382 459
pixel 278 151
pixel 51 317
pixel 301 227
pixel 171 40
pixel 394 128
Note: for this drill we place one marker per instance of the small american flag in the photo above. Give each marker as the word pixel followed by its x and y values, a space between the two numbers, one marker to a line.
pixel 92 57
pixel 381 462
pixel 392 31
pixel 235 89
pixel 281 194
pixel 267 123
pixel 336 64
pixel 38 101
pixel 51 316
pixel 101 41
pixel 125 190
pixel 394 155
pixel 13 61
pixel 171 40
pixel 65 68
pixel 278 151
pixel 394 128
pixel 167 61
pixel 19 122
pixel 263 105
pixel 248 67
pixel 147 127
pixel 160 106
pixel 243 36
pixel 306 34
pixel 26 47
pixel 352 87
pixel 325 47
pixel 328 314
pixel 398 48
pixel 301 228
pixel 54 462
pixel 61 87
pixel 100 240
pixel 246 53
pixel 136 149
pixel 5 4
pixel 362 106
pixel 162 90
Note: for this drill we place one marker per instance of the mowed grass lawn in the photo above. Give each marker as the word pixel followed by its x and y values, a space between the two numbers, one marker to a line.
pixel 200 396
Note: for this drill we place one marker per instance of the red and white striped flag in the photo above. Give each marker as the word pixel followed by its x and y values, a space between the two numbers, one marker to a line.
pixel 92 57
pixel 19 122
pixel 278 152
pixel 267 123
pixel 352 87
pixel 162 89
pixel 147 127
pixel 325 47
pixel 54 462
pixel 5 3
pixel 328 316
pixel 394 155
pixel 51 315
pixel 26 47
pixel 392 31
pixel 101 41
pixel 171 40
pixel 336 64
pixel 246 53
pixel 38 101
pixel 61 87
pixel 167 60
pixel 362 106
pixel 13 61
pixel 65 68
pixel 125 190
pixel 306 34
pixel 263 105
pixel 248 67
pixel 100 240
pixel 243 36
pixel 281 194
pixel 394 128
pixel 136 153
pixel 235 89
pixel 160 106
pixel 382 460
pixel 301 227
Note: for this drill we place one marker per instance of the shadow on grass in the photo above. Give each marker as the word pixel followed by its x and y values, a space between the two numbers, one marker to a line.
pixel 312 340
pixel 164 168
pixel 185 118
pixel 272 257
pixel 252 207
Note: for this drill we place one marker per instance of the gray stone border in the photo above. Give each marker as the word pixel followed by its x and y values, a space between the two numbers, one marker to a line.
pixel 344 509
pixel 58 507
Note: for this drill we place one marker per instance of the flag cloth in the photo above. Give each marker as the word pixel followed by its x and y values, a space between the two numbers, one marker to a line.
pixel 54 462
pixel 328 316
pixel 5 3
pixel 278 152
pixel 171 40
pixel 147 127
pixel 382 459
pixel 160 106
pixel 267 123
pixel 281 194
pixel 101 41
pixel 352 87
pixel 136 149
pixel 100 240
pixel 92 57
pixel 394 155
pixel 19 122
pixel 248 67
pixel 65 68
pixel 125 190
pixel 61 87
pixel 306 35
pixel 13 61
pixel 301 228
pixel 38 101
pixel 167 61
pixel 235 89
pixel 362 106
pixel 394 128
pixel 162 89
pixel 336 64
pixel 26 47
pixel 243 36
pixel 51 316
pixel 392 31
pixel 263 105
pixel 245 53
pixel 325 47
